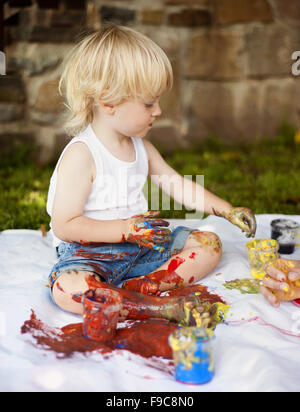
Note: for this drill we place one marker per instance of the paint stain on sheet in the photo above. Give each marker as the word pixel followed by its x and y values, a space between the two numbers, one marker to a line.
pixel 245 286
pixel 146 338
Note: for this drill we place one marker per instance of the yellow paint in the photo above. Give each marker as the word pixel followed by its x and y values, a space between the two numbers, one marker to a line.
pixel 183 343
pixel 260 252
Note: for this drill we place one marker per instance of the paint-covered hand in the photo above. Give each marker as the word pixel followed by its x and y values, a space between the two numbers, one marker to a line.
pixel 144 285
pixel 243 218
pixel 148 231
pixel 195 313
pixel 282 281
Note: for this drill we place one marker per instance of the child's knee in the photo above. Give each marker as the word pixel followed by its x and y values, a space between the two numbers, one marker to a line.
pixel 67 289
pixel 209 241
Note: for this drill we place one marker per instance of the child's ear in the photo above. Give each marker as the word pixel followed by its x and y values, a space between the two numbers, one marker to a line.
pixel 107 108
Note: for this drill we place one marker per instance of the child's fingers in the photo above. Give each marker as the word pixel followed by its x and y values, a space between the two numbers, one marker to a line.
pixel 157 222
pixel 275 285
pixel 269 296
pixel 151 213
pixel 150 244
pixel 275 273
pixel 294 275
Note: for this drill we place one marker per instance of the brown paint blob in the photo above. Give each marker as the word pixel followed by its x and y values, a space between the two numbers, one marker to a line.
pixel 146 338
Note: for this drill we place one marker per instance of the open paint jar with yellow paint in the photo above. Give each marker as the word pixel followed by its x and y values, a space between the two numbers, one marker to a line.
pixel 192 354
pixel 260 252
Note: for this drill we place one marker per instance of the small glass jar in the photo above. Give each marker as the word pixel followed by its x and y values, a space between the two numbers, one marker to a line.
pixel 192 354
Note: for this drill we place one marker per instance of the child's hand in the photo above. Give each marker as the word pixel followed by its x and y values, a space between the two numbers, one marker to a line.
pixel 282 282
pixel 244 219
pixel 146 230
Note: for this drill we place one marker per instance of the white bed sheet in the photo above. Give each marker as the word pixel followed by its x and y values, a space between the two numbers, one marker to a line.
pixel 256 350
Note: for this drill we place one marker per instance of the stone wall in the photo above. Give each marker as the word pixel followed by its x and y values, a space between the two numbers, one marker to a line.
pixel 231 59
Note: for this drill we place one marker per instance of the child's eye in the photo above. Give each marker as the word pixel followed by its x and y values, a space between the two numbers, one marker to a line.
pixel 149 105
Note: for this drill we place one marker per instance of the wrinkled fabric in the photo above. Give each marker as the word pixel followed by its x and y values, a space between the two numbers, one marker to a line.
pixel 257 349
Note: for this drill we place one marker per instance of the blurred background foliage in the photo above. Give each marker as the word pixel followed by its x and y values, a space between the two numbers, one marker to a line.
pixel 262 175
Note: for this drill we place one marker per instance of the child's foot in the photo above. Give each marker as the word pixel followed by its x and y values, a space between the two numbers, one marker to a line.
pixel 143 285
pixel 188 311
pixel 154 283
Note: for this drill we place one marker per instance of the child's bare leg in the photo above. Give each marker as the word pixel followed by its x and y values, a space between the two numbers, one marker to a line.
pixel 201 254
pixel 71 285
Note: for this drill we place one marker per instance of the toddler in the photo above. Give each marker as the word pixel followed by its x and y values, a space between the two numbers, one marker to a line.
pixel 112 81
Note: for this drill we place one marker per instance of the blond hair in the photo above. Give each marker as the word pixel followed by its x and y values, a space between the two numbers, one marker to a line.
pixel 113 64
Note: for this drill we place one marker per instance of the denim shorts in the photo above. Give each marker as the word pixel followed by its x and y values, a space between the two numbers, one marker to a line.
pixel 116 262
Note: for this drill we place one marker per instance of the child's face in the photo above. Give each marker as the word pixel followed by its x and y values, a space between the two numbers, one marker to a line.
pixel 135 117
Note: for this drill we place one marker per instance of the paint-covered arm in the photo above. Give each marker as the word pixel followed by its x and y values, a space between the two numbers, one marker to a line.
pixel 194 196
pixel 70 225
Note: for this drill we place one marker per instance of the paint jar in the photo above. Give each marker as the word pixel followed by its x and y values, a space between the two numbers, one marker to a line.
pixel 192 354
pixel 285 232
pixel 101 314
pixel 260 252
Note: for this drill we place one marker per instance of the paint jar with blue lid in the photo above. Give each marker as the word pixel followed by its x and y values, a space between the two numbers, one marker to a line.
pixel 193 355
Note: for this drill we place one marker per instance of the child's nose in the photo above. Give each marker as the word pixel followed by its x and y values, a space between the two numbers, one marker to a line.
pixel 157 110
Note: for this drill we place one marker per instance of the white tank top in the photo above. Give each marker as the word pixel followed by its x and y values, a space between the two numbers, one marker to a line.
pixel 117 190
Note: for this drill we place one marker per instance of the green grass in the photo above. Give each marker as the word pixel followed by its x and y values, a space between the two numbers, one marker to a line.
pixel 264 176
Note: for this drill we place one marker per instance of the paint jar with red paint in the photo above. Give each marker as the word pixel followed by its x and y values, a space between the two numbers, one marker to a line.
pixel 101 314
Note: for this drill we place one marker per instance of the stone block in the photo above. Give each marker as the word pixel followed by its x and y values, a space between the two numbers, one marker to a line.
pixel 171 102
pixel 12 89
pixel 242 11
pixel 241 110
pixel 215 55
pixel 75 4
pixel 10 112
pixel 165 138
pixel 287 10
pixel 45 34
pixel 151 16
pixel 280 103
pixel 270 48
pixel 48 99
pixel 189 18
pixel 48 4
pixel 20 3
pixel 35 58
pixel 204 3
pixel 117 15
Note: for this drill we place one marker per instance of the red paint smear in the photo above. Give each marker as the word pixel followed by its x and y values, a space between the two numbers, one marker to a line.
pixel 192 255
pixel 59 287
pixel 84 243
pixel 146 338
pixel 152 284
pixel 175 263
pixel 101 256
pixel 191 280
